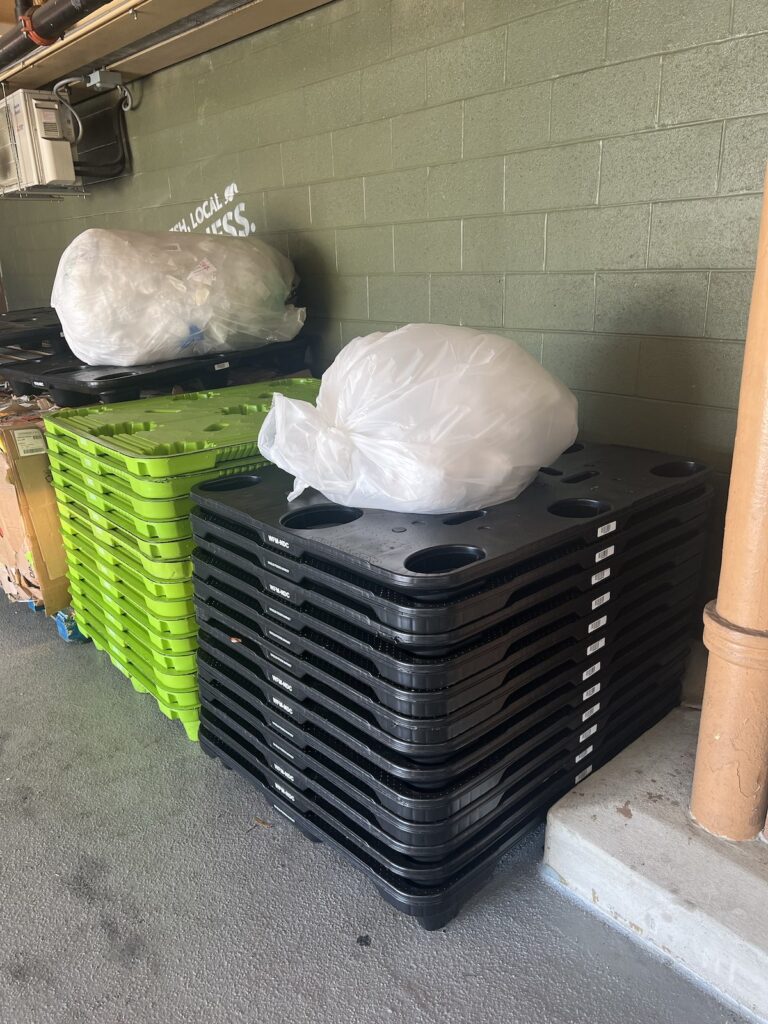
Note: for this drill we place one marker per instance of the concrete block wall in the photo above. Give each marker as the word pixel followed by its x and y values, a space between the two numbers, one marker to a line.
pixel 581 175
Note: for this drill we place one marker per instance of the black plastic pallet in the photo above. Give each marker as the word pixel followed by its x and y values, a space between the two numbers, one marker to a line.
pixel 652 555
pixel 430 739
pixel 27 328
pixel 71 382
pixel 372 606
pixel 604 488
pixel 316 776
pixel 523 661
pixel 578 617
pixel 572 706
pixel 434 906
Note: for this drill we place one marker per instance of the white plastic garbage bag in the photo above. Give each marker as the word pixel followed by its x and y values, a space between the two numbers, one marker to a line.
pixel 428 419
pixel 131 297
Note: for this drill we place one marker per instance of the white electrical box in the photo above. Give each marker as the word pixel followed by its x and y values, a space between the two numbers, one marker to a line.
pixel 36 144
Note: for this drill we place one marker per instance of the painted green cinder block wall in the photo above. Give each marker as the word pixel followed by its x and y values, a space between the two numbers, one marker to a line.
pixel 582 176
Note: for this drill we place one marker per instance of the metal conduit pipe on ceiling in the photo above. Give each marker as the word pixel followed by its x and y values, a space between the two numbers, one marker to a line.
pixel 49 21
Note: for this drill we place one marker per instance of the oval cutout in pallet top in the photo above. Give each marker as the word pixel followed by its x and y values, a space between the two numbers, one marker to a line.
pixel 577 478
pixel 231 483
pixel 320 517
pixel 462 517
pixel 685 467
pixel 579 508
pixel 444 558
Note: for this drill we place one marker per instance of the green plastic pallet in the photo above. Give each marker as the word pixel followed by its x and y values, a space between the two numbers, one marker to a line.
pixel 173 688
pixel 164 437
pixel 171 532
pixel 161 598
pixel 133 615
pixel 157 551
pixel 68 473
pixel 188 716
pixel 105 467
pixel 79 530
pixel 183 626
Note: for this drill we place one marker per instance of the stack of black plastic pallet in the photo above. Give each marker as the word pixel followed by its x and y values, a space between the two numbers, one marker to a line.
pixel 416 691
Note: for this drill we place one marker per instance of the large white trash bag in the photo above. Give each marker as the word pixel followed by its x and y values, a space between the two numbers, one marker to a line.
pixel 131 297
pixel 427 418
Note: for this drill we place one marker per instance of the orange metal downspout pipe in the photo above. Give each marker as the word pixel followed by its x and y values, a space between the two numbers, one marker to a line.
pixel 730 783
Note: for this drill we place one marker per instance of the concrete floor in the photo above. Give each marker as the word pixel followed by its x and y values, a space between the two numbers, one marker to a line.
pixel 140 883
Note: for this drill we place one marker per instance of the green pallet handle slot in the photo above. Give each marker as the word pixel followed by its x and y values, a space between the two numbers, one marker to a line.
pixel 121 514
pixel 109 469
pixel 170 553
pixel 131 616
pixel 173 688
pixel 113 549
pixel 66 472
pixel 160 598
pixel 179 434
pixel 182 627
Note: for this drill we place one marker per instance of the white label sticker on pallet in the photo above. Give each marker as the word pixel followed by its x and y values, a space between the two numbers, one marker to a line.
pixel 605 553
pixel 279 660
pixel 595 647
pixel 587 733
pixel 582 775
pixel 225 366
pixel 597 624
pixel 606 528
pixel 590 711
pixel 286 792
pixel 30 442
pixel 282 705
pixel 282 568
pixel 591 691
pixel 280 682
pixel 281 771
pixel 600 601
pixel 579 757
pixel 589 672
pixel 279 614
pixel 600 576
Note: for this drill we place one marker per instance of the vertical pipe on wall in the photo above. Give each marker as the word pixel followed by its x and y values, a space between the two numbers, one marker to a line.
pixel 730 784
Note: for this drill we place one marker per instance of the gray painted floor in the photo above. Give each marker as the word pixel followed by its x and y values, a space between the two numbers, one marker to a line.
pixel 140 882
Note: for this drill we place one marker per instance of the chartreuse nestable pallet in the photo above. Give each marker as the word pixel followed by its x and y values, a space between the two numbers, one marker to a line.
pixel 180 434
pixel 112 471
pixel 188 716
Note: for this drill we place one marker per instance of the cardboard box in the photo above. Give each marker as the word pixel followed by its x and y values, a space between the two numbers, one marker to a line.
pixel 33 563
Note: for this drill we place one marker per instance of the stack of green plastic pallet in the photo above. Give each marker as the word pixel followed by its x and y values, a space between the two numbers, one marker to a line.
pixel 123 474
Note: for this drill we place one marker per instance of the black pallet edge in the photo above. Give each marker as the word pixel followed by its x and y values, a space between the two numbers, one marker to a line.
pixel 518 668
pixel 440 555
pixel 419 739
pixel 423 786
pixel 373 606
pixel 72 382
pixel 664 558
pixel 434 906
pixel 313 780
pixel 582 619
pixel 26 328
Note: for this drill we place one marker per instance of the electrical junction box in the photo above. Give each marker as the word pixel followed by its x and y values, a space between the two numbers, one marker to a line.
pixel 36 143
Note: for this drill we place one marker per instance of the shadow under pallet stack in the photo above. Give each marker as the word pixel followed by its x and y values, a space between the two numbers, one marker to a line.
pixel 123 476
pixel 416 691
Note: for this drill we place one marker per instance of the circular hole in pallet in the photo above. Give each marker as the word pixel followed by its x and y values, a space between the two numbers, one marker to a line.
pixel 579 508
pixel 445 558
pixel 320 517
